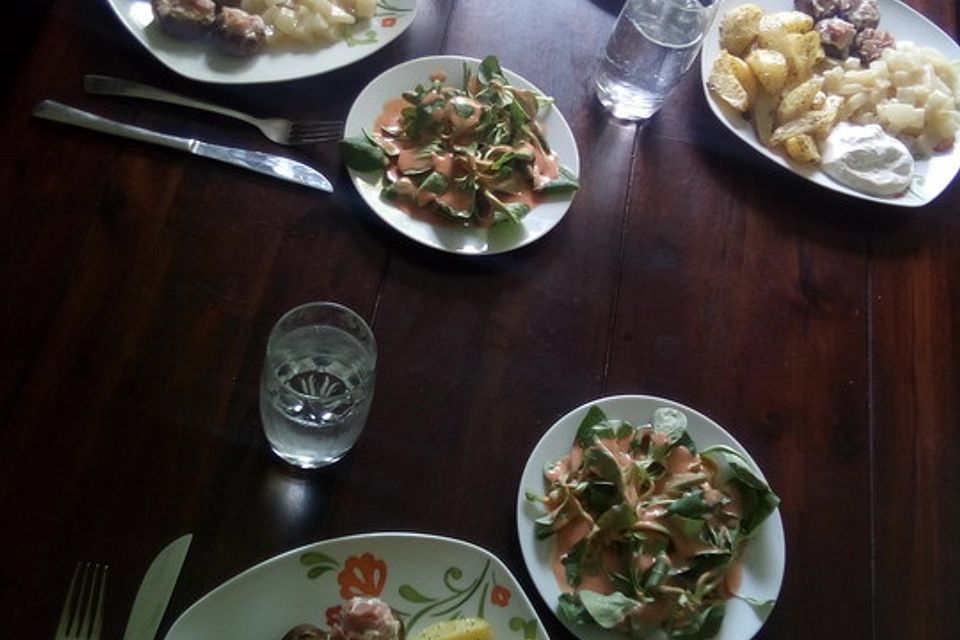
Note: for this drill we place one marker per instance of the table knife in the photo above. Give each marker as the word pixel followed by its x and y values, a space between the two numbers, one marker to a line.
pixel 155 590
pixel 266 163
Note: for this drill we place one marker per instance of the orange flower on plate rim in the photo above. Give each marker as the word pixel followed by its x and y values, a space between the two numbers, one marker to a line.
pixel 500 595
pixel 363 575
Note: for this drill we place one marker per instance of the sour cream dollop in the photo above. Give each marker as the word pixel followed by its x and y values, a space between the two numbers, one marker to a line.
pixel 866 158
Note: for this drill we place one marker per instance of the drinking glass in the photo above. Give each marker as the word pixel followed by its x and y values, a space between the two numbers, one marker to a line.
pixel 317 383
pixel 653 43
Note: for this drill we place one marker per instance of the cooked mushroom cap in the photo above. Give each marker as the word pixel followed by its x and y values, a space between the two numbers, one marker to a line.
pixel 305 631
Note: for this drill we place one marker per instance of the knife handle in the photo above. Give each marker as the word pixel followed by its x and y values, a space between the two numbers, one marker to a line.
pixel 107 86
pixel 58 112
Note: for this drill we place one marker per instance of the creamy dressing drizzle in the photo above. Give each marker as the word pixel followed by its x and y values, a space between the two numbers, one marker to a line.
pixel 418 203
pixel 682 549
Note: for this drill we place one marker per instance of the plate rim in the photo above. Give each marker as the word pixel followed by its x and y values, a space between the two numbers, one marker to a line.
pixel 239 78
pixel 529 546
pixel 362 181
pixel 815 175
pixel 393 535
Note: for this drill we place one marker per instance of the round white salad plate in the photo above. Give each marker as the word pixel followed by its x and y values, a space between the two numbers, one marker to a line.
pixel 454 239
pixel 764 558
pixel 426 578
pixel 199 59
pixel 931 175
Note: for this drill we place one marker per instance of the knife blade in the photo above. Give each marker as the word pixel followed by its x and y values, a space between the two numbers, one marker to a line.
pixel 155 590
pixel 265 163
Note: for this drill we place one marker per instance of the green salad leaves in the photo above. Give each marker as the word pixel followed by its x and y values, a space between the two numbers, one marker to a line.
pixel 475 153
pixel 656 528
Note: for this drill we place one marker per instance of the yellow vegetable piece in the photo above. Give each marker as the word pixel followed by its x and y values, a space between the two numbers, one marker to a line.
pixel 459 629
pixel 815 123
pixel 799 100
pixel 738 29
pixel 732 80
pixel 802 148
pixel 773 27
pixel 765 115
pixel 802 51
pixel 770 67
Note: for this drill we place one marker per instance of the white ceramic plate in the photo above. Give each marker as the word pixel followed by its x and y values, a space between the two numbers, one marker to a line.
pixel 199 60
pixel 931 177
pixel 764 558
pixel 427 578
pixel 464 240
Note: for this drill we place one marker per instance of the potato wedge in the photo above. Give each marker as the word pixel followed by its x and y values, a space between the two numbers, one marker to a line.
pixel 457 629
pixel 799 100
pixel 738 28
pixel 803 51
pixel 765 115
pixel 770 68
pixel 774 27
pixel 732 80
pixel 802 148
pixel 817 123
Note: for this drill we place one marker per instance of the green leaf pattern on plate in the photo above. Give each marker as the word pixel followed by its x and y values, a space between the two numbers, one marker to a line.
pixel 463 597
pixel 386 14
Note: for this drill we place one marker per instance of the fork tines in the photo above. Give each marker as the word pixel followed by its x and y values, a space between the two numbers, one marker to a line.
pixel 315 131
pixel 82 615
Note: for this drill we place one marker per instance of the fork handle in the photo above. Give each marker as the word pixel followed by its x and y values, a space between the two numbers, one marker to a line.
pixel 105 85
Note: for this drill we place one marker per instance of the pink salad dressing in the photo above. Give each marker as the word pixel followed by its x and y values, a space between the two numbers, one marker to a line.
pixel 521 189
pixel 680 460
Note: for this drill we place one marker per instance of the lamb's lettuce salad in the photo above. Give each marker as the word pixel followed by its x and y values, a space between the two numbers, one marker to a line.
pixel 475 153
pixel 652 530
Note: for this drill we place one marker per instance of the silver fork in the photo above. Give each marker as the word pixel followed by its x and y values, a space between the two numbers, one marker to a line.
pixel 82 615
pixel 279 130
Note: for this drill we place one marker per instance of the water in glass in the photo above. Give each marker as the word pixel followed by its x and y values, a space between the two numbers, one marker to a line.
pixel 652 45
pixel 317 387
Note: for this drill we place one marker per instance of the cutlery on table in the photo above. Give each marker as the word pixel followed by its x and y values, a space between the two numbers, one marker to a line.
pixel 265 163
pixel 82 616
pixel 155 590
pixel 279 130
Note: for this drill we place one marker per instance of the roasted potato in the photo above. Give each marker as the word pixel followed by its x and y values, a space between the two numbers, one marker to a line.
pixel 773 27
pixel 738 28
pixel 765 115
pixel 799 100
pixel 802 51
pixel 817 123
pixel 802 148
pixel 732 80
pixel 457 629
pixel 770 68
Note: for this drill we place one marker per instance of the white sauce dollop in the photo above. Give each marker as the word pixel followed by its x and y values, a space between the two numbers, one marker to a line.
pixel 867 159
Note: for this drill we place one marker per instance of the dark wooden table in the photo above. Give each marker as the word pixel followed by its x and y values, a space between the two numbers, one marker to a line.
pixel 138 286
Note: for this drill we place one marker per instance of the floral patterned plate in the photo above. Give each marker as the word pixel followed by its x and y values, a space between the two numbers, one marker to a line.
pixel 197 60
pixel 426 578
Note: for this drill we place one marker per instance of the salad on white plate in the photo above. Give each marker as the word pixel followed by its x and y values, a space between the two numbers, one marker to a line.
pixel 639 516
pixel 461 155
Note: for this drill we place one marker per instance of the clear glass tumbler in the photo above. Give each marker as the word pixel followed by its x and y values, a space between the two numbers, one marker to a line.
pixel 653 43
pixel 317 383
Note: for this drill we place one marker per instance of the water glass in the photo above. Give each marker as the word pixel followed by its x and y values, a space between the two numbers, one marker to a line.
pixel 317 383
pixel 653 43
